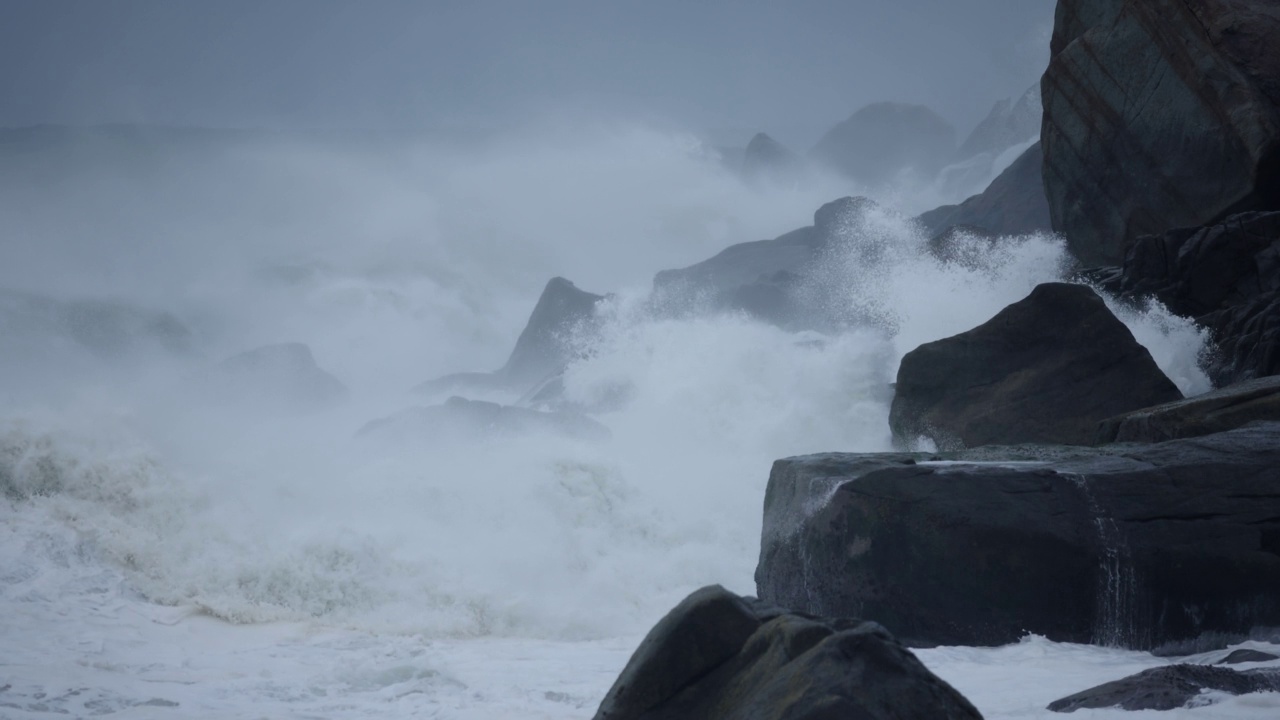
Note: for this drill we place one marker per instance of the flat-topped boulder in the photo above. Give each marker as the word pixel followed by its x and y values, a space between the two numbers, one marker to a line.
pixel 1130 545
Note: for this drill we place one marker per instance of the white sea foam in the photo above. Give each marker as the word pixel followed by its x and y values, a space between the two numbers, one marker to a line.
pixel 142 533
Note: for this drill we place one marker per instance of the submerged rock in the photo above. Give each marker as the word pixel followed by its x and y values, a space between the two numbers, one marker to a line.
pixel 1135 546
pixel 1167 688
pixel 1245 655
pixel 719 656
pixel 1046 369
pixel 460 418
pixel 1159 114
pixel 1225 409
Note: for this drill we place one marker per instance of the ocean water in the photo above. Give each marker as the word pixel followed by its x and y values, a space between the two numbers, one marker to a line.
pixel 164 553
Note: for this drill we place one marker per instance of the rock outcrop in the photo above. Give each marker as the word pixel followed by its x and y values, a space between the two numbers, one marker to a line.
pixel 1226 276
pixel 1170 687
pixel 1135 546
pixel 1159 114
pixel 718 656
pixel 1046 369
pixel 563 316
pixel 1013 204
pixel 881 141
pixel 1225 409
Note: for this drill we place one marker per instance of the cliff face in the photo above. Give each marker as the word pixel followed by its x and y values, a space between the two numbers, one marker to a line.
pixel 1159 114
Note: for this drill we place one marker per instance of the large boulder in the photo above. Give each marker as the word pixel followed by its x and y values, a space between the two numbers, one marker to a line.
pixel 1134 546
pixel 1159 114
pixel 1013 204
pixel 1226 276
pixel 881 141
pixel 1046 369
pixel 1225 409
pixel 551 339
pixel 718 656
pixel 1170 687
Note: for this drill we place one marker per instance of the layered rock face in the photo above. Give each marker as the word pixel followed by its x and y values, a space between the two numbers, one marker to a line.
pixel 718 656
pixel 1226 276
pixel 1159 114
pixel 1135 546
pixel 1045 369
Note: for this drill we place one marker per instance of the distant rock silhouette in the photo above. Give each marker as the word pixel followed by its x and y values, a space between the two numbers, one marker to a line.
pixel 1014 203
pixel 273 378
pixel 882 140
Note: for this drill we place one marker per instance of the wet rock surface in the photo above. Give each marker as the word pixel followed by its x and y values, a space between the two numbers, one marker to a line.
pixel 717 656
pixel 1159 114
pixel 1225 409
pixel 1168 688
pixel 1226 276
pixel 1045 369
pixel 1136 546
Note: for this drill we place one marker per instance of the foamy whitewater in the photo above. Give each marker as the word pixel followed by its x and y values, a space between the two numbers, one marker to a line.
pixel 164 554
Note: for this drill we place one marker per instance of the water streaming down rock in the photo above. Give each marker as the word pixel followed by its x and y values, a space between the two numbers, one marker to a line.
pixel 1117 584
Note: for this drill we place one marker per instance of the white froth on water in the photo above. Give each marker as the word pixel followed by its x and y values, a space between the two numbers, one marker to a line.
pixel 243 564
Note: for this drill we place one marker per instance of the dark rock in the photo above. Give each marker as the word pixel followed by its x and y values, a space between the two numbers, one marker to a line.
pixel 1134 546
pixel 1046 369
pixel 1159 114
pixel 563 316
pixel 459 418
pixel 718 656
pixel 282 377
pixel 768 159
pixel 1167 688
pixel 1009 123
pixel 883 140
pixel 1225 409
pixel 1245 655
pixel 1014 203
pixel 1227 277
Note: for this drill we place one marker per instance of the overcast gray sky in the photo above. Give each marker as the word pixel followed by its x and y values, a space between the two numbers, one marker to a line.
pixel 791 68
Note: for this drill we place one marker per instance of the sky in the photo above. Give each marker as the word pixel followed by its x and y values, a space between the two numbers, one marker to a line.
pixel 789 68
